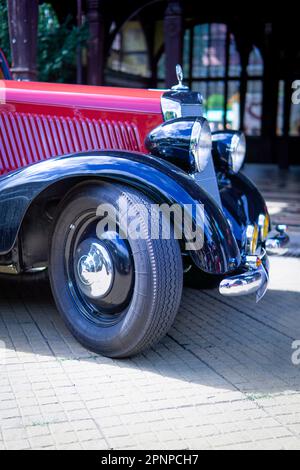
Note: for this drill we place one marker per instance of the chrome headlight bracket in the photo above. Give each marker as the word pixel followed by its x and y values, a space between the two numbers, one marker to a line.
pixel 201 143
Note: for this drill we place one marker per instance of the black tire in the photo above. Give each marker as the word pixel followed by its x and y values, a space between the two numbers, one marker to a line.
pixel 154 299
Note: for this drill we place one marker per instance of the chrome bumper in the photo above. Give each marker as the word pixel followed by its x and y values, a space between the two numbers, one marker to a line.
pixel 275 245
pixel 255 279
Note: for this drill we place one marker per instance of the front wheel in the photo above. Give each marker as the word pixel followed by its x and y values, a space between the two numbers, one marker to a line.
pixel 118 295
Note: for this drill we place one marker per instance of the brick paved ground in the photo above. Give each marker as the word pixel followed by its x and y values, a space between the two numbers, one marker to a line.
pixel 222 378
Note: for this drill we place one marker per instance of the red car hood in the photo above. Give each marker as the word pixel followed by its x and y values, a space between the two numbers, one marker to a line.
pixel 82 96
pixel 42 120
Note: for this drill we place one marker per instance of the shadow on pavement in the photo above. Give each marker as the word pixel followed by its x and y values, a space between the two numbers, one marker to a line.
pixel 223 344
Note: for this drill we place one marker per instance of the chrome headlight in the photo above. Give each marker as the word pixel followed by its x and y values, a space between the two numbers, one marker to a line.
pixel 201 143
pixel 185 142
pixel 229 149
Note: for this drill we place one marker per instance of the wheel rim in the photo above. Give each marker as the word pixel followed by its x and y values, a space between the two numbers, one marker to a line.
pixel 100 271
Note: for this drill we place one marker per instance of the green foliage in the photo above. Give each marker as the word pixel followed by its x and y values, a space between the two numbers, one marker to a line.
pixel 57 44
pixel 215 102
pixel 4 34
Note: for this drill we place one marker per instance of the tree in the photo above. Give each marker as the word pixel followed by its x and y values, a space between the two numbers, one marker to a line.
pixel 57 44
pixel 4 34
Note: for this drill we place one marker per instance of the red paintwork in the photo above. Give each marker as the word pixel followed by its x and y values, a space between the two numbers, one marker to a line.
pixel 42 120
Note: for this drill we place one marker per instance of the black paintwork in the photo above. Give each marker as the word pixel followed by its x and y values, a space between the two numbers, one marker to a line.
pixel 159 179
pixel 242 203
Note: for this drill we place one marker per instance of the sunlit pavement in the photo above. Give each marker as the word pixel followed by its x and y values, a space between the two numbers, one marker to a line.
pixel 281 189
pixel 222 378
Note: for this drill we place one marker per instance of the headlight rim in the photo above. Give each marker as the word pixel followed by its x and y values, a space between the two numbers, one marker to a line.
pixel 237 162
pixel 196 137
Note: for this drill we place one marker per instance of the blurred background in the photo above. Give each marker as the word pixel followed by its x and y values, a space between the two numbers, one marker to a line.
pixel 242 57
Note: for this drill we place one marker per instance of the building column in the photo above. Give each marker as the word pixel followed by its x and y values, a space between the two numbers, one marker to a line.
pixel 96 42
pixel 78 49
pixel 243 87
pixel 23 24
pixel 270 85
pixel 270 96
pixel 173 38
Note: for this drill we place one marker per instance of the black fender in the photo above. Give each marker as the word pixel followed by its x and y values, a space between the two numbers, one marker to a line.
pixel 243 204
pixel 157 178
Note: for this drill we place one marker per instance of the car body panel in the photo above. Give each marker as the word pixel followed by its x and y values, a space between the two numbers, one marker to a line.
pixel 242 203
pixel 41 120
pixel 161 180
pixel 44 128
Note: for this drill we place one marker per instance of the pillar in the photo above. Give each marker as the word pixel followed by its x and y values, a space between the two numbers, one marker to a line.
pixel 173 38
pixel 23 24
pixel 95 42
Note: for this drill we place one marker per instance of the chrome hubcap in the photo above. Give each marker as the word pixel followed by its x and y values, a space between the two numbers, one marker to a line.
pixel 95 272
pixel 100 271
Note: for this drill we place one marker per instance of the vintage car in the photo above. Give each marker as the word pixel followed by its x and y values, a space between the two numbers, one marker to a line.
pixel 68 150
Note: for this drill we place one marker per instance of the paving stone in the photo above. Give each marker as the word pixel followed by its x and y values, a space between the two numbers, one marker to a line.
pixel 223 378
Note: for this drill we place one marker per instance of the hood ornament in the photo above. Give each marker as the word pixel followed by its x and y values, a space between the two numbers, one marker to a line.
pixel 179 74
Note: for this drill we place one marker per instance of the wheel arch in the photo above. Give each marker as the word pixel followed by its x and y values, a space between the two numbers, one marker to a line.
pixel 22 193
pixel 38 223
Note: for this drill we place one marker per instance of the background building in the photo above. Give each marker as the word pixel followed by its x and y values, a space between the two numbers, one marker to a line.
pixel 243 58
